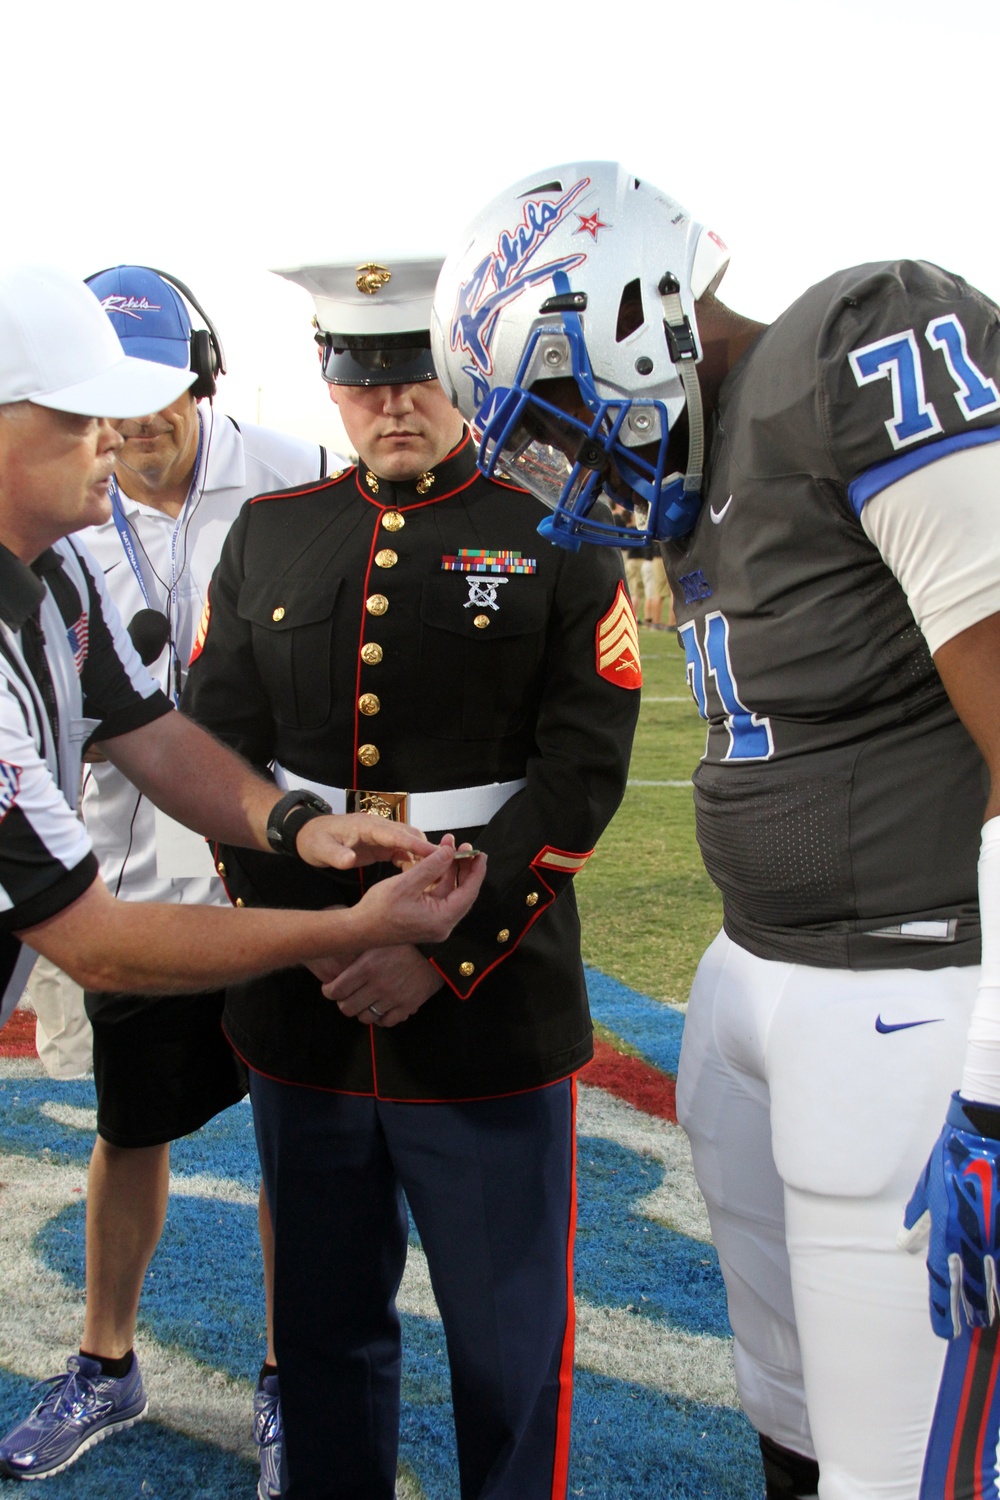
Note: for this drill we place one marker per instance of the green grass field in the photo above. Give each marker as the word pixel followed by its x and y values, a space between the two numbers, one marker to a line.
pixel 647 906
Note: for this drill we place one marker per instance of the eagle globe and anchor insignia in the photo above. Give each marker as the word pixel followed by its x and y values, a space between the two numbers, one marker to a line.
pixel 391 805
pixel 372 278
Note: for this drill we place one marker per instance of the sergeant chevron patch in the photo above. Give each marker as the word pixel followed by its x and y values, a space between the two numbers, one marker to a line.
pixel 618 644
pixel 199 639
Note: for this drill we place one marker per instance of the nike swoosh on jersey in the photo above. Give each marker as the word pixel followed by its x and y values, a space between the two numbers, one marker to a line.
pixel 111 568
pixel 717 515
pixel 886 1026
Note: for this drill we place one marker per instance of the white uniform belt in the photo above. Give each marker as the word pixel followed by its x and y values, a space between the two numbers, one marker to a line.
pixel 461 807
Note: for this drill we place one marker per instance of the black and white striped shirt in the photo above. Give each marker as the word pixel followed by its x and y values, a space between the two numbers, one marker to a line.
pixel 56 622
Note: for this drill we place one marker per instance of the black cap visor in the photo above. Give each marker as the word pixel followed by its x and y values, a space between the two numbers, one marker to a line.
pixel 376 359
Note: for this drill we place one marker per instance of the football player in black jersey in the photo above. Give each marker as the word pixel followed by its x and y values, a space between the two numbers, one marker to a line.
pixel 824 493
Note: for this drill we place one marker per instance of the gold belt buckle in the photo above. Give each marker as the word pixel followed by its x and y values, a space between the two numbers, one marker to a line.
pixel 391 805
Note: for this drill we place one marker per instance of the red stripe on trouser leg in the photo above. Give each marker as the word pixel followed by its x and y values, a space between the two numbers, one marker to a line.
pixel 983 1480
pixel 963 1409
pixel 564 1415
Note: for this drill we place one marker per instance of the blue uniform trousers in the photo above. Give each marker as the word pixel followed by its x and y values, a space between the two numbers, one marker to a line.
pixel 491 1185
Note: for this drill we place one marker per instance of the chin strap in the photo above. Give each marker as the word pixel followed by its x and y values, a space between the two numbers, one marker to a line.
pixel 683 348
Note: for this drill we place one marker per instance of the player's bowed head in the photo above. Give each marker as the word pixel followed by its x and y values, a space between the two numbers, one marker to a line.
pixel 564 329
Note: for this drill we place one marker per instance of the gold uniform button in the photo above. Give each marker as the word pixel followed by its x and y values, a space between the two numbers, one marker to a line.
pixel 481 622
pixel 376 604
pixel 240 901
pixel 466 970
pixel 279 613
pixel 393 521
pixel 371 481
pixel 386 558
pixel 503 936
pixel 368 755
pixel 371 654
pixel 369 704
pixel 221 868
pixel 531 899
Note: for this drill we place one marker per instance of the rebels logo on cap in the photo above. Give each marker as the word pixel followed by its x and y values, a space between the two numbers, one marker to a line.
pixel 132 307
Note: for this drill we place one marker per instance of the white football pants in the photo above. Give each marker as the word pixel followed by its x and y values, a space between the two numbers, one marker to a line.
pixel 809 1128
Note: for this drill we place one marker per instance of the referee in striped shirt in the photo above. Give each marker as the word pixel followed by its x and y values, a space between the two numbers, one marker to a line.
pixel 69 677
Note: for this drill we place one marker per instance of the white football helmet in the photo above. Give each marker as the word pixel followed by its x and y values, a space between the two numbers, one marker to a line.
pixel 584 273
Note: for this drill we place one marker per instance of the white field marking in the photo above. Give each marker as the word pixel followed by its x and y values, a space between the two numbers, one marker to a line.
pixel 21 1067
pixel 43 1316
pixel 182 1185
pixel 617 1342
pixel 676 1202
pixel 632 782
pixel 73 1116
pixel 408 1486
pixel 621 1344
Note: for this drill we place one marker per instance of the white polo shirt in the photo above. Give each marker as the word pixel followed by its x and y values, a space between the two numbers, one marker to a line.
pixel 177 557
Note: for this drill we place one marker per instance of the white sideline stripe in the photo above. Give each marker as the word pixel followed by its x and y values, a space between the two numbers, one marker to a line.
pixel 633 782
pixel 619 1343
pixel 73 1116
pixel 677 1203
pixel 42 1313
pixel 626 1346
pixel 43 1317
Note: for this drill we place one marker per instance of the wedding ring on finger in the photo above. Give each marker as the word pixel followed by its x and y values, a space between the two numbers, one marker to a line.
pixel 376 1012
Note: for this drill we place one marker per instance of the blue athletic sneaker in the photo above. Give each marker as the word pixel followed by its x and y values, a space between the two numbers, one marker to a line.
pixel 78 1410
pixel 268 1433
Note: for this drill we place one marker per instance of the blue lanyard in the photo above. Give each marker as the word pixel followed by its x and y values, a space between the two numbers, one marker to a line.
pixel 125 532
pixel 128 547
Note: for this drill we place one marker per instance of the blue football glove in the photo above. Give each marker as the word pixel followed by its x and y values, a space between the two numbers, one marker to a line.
pixel 960 1190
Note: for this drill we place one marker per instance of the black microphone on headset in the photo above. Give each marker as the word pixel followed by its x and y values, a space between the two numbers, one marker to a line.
pixel 149 630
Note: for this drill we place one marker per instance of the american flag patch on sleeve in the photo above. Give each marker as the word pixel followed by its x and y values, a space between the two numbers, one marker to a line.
pixel 10 785
pixel 78 636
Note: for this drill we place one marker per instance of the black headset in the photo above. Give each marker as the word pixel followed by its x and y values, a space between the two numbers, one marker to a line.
pixel 208 359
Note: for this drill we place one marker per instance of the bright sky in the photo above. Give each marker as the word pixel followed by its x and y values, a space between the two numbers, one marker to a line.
pixel 217 140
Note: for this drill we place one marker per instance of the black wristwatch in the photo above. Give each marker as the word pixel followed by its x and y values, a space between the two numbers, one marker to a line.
pixel 288 815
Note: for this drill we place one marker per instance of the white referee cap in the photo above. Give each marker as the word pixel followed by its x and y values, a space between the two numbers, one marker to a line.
pixel 58 349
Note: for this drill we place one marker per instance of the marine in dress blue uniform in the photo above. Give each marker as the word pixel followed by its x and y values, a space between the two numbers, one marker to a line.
pixel 406 644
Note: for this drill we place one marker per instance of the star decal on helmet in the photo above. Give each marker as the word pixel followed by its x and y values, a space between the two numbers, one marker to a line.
pixel 590 224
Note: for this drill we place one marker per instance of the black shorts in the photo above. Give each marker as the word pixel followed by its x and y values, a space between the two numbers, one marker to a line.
pixel 162 1065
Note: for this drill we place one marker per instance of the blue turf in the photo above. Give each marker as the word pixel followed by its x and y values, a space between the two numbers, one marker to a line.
pixel 204 1296
pixel 654 1029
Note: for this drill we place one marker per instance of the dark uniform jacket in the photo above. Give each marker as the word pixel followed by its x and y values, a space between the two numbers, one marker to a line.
pixel 421 637
pixel 840 798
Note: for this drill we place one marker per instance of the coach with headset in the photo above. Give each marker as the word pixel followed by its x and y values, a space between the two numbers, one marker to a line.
pixel 162 1068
